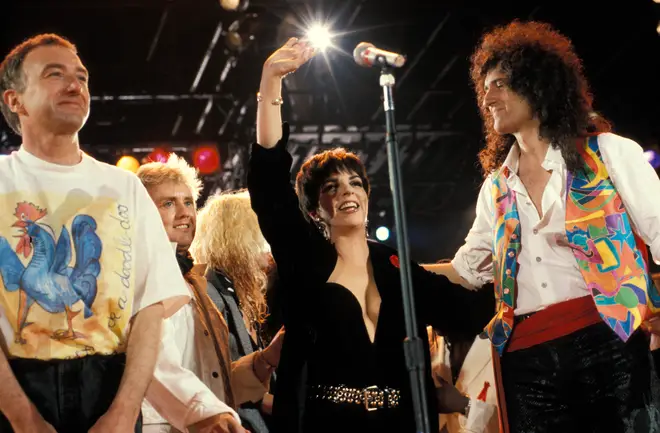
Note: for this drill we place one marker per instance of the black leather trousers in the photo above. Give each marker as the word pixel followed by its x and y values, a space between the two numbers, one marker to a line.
pixel 588 381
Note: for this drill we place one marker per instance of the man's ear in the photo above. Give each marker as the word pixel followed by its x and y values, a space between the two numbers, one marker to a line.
pixel 12 100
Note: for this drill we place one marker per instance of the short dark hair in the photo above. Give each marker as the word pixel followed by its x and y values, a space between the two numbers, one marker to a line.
pixel 542 67
pixel 11 70
pixel 317 169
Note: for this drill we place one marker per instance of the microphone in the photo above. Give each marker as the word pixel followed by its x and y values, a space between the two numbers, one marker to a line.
pixel 366 54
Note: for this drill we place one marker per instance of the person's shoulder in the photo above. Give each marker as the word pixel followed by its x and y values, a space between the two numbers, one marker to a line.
pixel 616 149
pixel 6 160
pixel 612 140
pixel 381 253
pixel 220 280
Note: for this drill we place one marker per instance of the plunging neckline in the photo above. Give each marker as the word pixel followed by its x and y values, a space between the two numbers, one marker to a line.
pixel 359 307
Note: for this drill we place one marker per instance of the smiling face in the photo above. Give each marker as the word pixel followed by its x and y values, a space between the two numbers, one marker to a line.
pixel 510 111
pixel 176 206
pixel 55 96
pixel 343 201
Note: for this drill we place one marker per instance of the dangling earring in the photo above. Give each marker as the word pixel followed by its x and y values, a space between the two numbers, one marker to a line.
pixel 323 228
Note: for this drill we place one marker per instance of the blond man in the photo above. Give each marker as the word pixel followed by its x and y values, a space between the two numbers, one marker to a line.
pixel 193 389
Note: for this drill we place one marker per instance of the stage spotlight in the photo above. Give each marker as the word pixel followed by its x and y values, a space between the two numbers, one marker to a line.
pixel 129 163
pixel 319 37
pixel 382 233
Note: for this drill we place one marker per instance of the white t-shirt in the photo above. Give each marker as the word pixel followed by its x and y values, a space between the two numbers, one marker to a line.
pixel 82 250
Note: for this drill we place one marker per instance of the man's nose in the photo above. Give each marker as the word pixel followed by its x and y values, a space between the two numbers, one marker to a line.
pixel 74 85
pixel 489 99
pixel 184 210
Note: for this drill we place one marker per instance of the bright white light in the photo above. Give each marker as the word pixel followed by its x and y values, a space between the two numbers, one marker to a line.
pixel 649 154
pixel 382 233
pixel 319 37
pixel 653 158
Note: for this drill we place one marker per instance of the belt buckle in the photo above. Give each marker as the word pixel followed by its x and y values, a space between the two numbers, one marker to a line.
pixel 365 396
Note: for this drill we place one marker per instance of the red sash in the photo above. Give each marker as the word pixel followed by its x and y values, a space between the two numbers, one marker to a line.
pixel 549 324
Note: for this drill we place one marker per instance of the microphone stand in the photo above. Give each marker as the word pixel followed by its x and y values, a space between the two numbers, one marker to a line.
pixel 412 346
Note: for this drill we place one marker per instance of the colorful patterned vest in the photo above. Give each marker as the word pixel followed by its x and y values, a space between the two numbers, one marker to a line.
pixel 611 258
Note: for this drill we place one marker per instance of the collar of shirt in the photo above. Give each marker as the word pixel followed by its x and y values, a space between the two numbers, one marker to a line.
pixel 553 161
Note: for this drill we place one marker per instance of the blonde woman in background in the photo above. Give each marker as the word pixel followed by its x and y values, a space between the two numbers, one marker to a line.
pixel 238 261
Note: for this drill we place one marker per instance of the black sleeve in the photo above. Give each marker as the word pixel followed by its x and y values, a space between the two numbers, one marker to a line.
pixel 298 248
pixel 451 308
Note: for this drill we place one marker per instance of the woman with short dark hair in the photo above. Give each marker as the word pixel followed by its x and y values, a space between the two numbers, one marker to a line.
pixel 342 367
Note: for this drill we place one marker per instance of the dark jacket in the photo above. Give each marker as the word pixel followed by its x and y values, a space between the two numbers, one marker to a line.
pixel 240 342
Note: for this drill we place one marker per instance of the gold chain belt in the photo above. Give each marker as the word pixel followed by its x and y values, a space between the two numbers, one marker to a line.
pixel 371 397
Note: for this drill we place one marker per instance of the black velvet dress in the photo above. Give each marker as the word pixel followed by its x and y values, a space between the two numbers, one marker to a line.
pixel 326 341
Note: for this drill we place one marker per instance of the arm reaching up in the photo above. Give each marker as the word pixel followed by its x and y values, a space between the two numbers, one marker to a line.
pixel 273 198
pixel 269 114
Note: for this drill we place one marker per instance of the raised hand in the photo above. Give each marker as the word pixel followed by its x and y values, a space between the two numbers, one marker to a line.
pixel 287 59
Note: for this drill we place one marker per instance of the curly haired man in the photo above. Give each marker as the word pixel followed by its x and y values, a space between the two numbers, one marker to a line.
pixel 561 226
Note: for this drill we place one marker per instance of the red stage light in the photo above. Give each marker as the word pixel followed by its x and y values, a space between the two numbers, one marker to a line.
pixel 158 155
pixel 206 159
